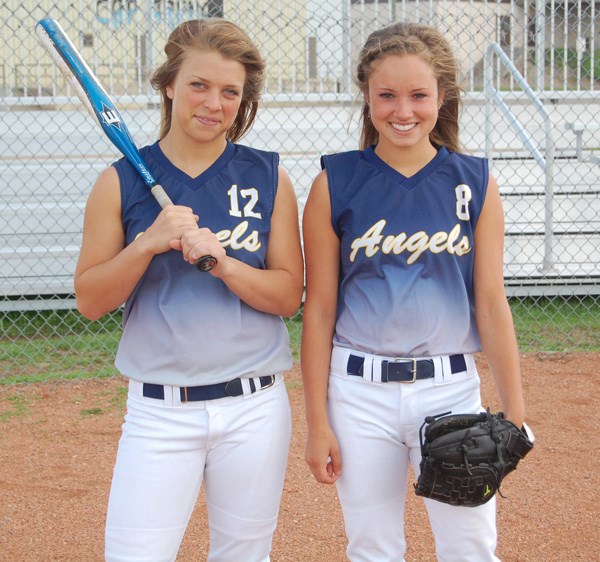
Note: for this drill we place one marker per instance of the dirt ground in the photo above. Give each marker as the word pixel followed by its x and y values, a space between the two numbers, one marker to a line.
pixel 58 443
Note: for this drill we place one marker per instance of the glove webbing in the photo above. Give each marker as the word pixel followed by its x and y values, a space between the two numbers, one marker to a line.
pixel 496 438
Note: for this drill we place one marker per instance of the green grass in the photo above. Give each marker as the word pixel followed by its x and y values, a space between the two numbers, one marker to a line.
pixel 91 412
pixel 294 326
pixel 557 325
pixel 50 323
pixel 61 345
pixel 569 58
pixel 18 407
pixel 56 344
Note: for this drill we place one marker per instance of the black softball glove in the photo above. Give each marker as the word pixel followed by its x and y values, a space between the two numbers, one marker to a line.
pixel 466 456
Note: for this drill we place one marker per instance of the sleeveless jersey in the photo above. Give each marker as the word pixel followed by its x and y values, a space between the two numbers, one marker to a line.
pixel 406 269
pixel 185 327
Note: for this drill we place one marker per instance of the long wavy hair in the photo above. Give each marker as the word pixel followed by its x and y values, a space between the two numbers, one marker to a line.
pixel 430 46
pixel 231 42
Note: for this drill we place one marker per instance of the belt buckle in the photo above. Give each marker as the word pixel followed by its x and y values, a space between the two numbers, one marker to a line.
pixel 413 370
pixel 270 384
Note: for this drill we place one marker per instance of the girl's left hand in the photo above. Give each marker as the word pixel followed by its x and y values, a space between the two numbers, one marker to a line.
pixel 195 243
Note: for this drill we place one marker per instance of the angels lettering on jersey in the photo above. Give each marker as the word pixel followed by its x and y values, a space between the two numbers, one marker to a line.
pixel 415 244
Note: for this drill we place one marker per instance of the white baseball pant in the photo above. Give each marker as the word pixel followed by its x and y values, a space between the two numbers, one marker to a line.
pixel 377 426
pixel 237 445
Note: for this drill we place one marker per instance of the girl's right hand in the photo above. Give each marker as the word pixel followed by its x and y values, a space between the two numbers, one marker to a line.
pixel 323 455
pixel 168 226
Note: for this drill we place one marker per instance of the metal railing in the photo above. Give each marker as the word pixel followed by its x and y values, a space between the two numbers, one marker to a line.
pixel 546 160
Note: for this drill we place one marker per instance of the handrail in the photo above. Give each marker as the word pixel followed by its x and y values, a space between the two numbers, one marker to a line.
pixel 546 162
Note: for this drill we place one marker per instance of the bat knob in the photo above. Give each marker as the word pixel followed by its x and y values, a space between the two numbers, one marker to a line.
pixel 206 263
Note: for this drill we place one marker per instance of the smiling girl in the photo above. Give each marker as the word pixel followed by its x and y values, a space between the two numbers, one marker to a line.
pixel 404 248
pixel 204 352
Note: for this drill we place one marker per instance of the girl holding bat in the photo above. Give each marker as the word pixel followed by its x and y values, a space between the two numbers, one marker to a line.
pixel 404 250
pixel 204 352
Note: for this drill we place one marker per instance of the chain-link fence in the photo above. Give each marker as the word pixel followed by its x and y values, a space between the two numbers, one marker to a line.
pixel 532 91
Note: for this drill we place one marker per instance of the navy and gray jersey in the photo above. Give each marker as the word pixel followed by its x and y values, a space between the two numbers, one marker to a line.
pixel 184 327
pixel 407 249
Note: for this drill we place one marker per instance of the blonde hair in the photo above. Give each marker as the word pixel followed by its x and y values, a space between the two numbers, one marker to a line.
pixel 430 46
pixel 231 42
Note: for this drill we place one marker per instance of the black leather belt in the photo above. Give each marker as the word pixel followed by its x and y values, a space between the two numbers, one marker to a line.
pixel 209 391
pixel 405 369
